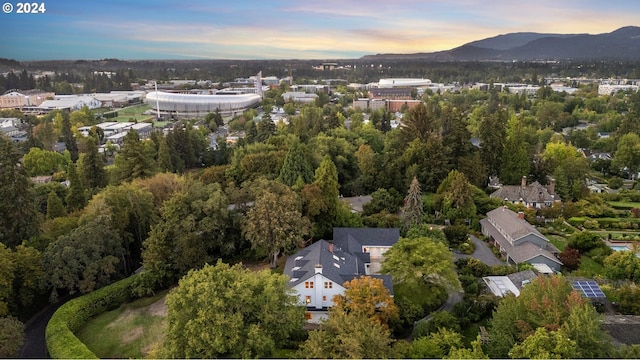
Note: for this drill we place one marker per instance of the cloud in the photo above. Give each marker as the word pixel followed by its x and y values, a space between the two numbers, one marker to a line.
pixel 313 28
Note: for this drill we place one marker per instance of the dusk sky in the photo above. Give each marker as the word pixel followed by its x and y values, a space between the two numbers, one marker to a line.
pixel 287 29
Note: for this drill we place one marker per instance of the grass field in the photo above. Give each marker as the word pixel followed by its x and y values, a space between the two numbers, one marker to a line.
pixel 130 331
pixel 133 113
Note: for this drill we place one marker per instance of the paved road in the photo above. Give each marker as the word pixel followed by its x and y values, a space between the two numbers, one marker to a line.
pixel 35 346
pixel 482 253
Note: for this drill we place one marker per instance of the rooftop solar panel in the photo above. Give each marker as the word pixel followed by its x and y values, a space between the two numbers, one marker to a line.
pixel 588 288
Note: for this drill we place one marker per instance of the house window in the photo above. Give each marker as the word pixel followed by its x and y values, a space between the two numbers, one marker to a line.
pixel 308 284
pixel 328 285
pixel 308 316
pixel 324 297
pixel 307 299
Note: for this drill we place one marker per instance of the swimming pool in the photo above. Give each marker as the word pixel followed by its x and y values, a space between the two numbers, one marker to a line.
pixel 619 247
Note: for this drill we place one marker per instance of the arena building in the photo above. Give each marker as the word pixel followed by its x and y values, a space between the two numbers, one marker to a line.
pixel 199 105
pixel 403 82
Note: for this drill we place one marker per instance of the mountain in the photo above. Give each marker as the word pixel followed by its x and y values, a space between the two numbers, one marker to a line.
pixel 621 44
pixel 509 41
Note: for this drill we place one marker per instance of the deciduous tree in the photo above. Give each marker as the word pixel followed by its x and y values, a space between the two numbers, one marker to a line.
pixel 368 296
pixel 545 344
pixel 44 162
pixel 547 302
pixel 347 335
pixel 275 225
pixel 86 259
pixel 224 311
pixel 420 261
pixel 628 153
pixel 11 336
pixel 191 232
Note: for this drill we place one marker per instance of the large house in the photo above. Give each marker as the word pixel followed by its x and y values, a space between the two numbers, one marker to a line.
pixel 318 272
pixel 534 195
pixel 518 240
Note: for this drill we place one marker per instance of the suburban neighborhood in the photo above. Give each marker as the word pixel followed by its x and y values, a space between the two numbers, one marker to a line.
pixel 319 194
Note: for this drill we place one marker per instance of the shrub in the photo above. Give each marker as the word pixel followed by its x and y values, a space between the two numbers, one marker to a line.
pixel 570 258
pixel 441 319
pixel 70 317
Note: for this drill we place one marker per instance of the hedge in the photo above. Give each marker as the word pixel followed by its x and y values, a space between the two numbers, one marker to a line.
pixel 607 223
pixel 70 317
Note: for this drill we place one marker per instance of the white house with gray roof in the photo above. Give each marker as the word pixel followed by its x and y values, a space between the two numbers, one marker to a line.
pixel 318 272
pixel 518 240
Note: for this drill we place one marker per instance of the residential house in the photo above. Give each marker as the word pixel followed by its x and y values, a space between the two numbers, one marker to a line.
pixel 534 195
pixel 318 272
pixel 518 240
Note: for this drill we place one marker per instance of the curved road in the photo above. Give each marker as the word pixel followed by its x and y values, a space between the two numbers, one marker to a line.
pixel 35 345
pixel 482 253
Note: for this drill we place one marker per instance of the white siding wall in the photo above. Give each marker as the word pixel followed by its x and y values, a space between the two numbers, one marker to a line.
pixel 318 291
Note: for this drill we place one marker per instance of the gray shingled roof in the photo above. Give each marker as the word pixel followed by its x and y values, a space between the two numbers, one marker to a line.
pixel 353 239
pixel 523 252
pixel 338 265
pixel 511 224
pixel 534 192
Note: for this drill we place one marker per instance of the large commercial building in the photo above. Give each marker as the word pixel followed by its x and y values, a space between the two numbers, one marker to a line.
pixel 199 105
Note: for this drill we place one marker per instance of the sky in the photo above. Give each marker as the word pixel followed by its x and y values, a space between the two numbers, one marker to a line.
pixel 285 29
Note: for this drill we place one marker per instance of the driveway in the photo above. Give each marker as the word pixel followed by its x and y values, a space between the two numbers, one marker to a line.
pixel 482 253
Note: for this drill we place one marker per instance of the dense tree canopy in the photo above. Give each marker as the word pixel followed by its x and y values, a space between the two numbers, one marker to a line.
pixel 19 220
pixel 552 304
pixel 420 261
pixel 229 311
pixel 275 224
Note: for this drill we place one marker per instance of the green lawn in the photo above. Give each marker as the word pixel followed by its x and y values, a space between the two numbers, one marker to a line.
pixel 623 204
pixel 133 113
pixel 127 332
pixel 588 268
pixel 558 241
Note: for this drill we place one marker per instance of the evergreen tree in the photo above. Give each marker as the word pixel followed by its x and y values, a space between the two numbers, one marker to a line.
pixel 296 166
pixel 326 180
pixel 164 155
pixel 55 208
pixel 92 170
pixel 76 199
pixel 18 214
pixel 492 137
pixel 515 157
pixel 413 209
pixel 134 159
pixel 69 139
pixel 251 133
pixel 265 128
